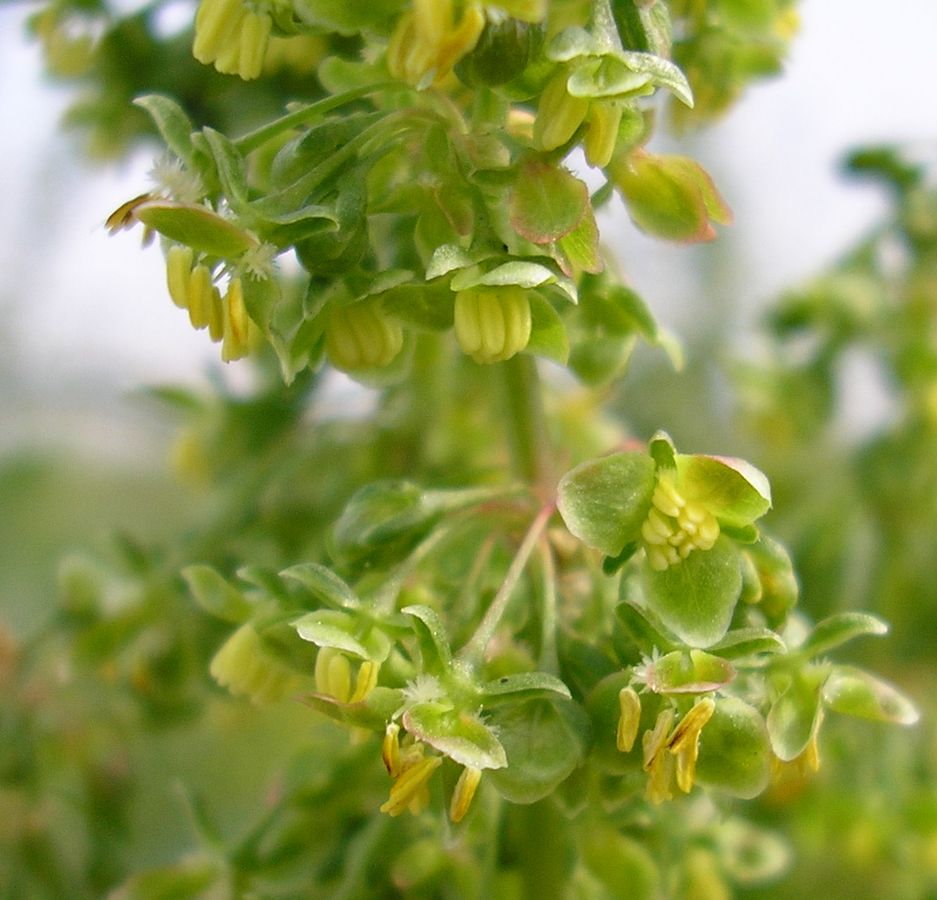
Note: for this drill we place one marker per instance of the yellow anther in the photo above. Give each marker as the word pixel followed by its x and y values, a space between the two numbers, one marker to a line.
pixel 216 316
pixel 215 24
pixel 390 749
pixel 684 741
pixel 178 268
pixel 236 331
pixel 604 120
pixel 629 719
pixel 464 792
pixel 656 529
pixel 410 790
pixel 365 680
pixel 230 36
pixel 653 741
pixel 199 296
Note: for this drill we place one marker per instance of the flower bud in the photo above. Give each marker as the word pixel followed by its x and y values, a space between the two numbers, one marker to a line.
pixel 246 667
pixel 361 337
pixel 492 324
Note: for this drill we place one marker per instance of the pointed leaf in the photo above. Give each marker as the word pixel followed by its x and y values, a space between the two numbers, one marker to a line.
pixel 742 642
pixel 643 633
pixel 196 227
pixel 218 598
pixel 548 336
pixel 795 716
pixel 172 123
pixel 734 491
pixel 523 686
pixel 604 501
pixel 447 258
pixel 856 693
pixel 839 628
pixel 458 735
pixel 432 638
pixel 372 713
pixel 331 628
pixel 323 583
pixel 696 597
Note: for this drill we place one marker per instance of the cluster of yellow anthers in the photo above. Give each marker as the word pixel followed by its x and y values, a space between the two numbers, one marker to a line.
pixel 246 668
pixel 232 37
pixel 668 749
pixel 362 336
pixel 560 114
pixel 427 42
pixel 675 526
pixel 191 288
pixel 492 324
pixel 412 769
pixel 334 676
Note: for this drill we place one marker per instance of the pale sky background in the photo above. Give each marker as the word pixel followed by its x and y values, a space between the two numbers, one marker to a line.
pixel 84 318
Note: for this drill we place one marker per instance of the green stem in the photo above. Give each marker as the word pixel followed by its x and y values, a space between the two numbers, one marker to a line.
pixel 474 651
pixel 549 660
pixel 307 114
pixel 527 429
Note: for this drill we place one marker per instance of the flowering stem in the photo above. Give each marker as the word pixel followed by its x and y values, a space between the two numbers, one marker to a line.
pixel 257 138
pixel 527 432
pixel 549 661
pixel 473 652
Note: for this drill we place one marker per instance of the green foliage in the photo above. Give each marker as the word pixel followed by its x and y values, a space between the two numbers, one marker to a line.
pixel 544 629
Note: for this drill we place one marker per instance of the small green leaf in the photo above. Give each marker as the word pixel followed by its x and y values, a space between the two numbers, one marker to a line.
pixel 544 741
pixel 605 501
pixel 688 672
pixel 196 227
pixel 836 630
pixel 218 598
pixel 459 735
pixel 570 43
pixel 523 686
pixel 173 125
pixel 581 246
pixel 744 642
pixel 546 202
pixel 642 632
pixel 795 716
pixel 696 597
pixel 664 73
pixel 431 636
pixel 607 78
pixel 734 491
pixel 447 258
pixel 853 692
pixel 323 583
pixel 230 165
pixel 735 756
pixel 548 336
pixel 373 713
pixel 331 628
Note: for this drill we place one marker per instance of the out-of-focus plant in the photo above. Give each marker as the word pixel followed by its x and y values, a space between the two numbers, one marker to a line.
pixel 554 653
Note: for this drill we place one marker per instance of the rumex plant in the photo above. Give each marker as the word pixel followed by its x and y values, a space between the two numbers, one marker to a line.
pixel 554 649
